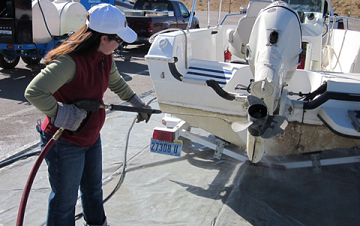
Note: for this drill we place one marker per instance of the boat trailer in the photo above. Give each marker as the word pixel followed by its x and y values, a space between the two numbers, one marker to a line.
pixel 177 128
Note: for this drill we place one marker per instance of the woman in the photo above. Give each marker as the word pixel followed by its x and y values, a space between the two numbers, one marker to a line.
pixel 82 68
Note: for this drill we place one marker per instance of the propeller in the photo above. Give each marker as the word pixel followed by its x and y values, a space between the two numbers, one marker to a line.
pixel 260 125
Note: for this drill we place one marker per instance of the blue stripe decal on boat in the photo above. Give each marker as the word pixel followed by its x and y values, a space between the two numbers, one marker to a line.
pixel 216 71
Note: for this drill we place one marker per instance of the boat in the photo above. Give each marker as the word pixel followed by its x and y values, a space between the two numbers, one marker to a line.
pixel 284 79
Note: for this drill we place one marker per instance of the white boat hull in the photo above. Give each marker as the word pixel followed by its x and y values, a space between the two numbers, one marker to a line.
pixel 193 82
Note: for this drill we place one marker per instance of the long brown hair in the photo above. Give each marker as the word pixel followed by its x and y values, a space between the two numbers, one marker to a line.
pixel 83 42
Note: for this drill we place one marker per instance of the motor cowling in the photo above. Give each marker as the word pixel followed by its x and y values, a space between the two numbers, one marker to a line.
pixel 273 51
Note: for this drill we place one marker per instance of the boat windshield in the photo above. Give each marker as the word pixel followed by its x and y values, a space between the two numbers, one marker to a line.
pixel 306 5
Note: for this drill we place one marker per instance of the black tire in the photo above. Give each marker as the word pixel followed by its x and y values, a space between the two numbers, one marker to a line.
pixel 31 60
pixel 8 63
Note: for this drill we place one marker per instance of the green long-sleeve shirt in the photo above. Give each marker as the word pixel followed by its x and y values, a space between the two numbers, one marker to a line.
pixel 62 71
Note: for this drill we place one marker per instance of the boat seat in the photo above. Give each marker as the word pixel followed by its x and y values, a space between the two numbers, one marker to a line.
pixel 226 79
pixel 200 71
pixel 239 37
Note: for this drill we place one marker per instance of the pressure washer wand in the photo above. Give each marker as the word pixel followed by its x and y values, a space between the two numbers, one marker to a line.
pixel 26 192
pixel 91 106
pixel 131 109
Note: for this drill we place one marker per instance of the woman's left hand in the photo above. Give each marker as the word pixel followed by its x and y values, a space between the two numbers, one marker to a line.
pixel 143 116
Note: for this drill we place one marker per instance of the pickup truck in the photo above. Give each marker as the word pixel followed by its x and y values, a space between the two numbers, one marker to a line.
pixel 151 16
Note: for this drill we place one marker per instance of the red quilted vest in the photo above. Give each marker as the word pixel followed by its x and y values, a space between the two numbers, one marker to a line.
pixel 90 83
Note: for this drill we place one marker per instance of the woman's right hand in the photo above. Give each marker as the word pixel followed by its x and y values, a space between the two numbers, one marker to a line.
pixel 69 116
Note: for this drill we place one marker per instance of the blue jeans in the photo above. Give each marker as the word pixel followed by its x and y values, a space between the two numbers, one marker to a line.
pixel 71 167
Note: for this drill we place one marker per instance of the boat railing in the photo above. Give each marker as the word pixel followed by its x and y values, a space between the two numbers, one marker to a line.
pixel 227 16
pixel 343 22
pixel 352 23
pixel 191 15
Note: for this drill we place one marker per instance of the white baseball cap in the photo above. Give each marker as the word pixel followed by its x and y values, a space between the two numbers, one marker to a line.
pixel 108 19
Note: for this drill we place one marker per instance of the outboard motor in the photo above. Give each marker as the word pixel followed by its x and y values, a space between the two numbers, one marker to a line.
pixel 273 51
pixel 273 54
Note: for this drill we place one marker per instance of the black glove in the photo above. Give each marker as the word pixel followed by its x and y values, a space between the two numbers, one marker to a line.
pixel 143 116
pixel 135 101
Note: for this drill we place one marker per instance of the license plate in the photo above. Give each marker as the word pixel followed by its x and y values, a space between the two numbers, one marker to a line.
pixel 167 148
